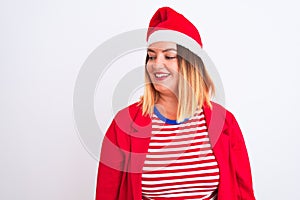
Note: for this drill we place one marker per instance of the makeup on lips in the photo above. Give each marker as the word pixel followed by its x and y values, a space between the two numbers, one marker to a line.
pixel 160 76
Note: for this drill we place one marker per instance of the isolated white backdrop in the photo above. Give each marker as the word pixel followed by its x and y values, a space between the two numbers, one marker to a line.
pixel 254 45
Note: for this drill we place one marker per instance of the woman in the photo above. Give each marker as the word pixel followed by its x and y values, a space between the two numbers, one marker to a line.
pixel 174 143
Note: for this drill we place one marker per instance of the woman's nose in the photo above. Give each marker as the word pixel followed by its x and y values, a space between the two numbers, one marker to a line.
pixel 159 61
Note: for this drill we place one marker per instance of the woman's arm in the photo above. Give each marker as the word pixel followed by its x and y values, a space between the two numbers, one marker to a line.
pixel 110 166
pixel 240 159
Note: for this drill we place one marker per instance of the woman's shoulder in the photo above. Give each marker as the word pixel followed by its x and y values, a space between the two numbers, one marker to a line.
pixel 219 113
pixel 219 109
pixel 131 109
pixel 131 113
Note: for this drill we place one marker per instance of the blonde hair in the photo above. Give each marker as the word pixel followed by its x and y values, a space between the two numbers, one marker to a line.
pixel 195 86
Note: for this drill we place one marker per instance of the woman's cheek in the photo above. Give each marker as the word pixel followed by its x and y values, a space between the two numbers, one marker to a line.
pixel 149 68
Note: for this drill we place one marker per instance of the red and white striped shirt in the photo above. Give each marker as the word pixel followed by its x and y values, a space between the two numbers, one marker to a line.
pixel 180 163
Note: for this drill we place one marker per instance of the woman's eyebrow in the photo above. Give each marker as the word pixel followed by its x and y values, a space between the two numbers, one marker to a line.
pixel 150 50
pixel 165 50
pixel 170 49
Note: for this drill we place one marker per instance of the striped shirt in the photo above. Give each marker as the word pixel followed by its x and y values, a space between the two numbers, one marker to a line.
pixel 180 163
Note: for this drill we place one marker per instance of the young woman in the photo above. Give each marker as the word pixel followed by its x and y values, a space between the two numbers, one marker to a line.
pixel 175 143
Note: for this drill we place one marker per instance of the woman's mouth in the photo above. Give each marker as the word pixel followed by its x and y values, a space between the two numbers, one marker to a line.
pixel 161 76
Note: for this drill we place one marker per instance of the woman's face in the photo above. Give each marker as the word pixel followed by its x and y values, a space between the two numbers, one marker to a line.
pixel 162 67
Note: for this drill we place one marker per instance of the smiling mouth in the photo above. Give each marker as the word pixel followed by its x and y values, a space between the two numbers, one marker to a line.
pixel 160 75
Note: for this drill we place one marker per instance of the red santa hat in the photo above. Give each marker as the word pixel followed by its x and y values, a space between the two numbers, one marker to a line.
pixel 171 26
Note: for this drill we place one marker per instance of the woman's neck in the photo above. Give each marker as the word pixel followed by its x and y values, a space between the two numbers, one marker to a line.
pixel 167 106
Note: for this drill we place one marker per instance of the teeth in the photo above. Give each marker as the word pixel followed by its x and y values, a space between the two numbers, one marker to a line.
pixel 161 75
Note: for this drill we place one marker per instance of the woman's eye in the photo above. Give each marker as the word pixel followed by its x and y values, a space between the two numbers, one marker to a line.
pixel 151 57
pixel 170 57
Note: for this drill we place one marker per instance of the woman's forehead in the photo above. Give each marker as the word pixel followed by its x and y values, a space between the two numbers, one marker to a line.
pixel 162 46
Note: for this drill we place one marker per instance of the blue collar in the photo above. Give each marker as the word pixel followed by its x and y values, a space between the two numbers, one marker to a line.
pixel 166 120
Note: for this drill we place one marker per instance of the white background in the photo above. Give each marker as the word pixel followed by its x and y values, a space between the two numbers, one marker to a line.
pixel 43 44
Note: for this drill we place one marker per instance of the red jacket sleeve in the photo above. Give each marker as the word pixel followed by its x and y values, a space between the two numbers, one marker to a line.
pixel 241 162
pixel 110 166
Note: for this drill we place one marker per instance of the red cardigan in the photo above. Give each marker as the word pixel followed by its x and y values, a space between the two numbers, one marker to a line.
pixel 126 142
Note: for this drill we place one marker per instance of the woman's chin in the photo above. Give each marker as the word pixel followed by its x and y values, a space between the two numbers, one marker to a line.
pixel 165 90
